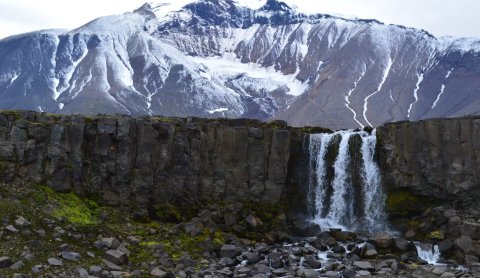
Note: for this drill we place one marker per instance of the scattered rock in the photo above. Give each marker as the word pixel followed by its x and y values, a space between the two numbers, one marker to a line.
pixel 110 242
pixel 5 262
pixel 82 272
pixel 18 265
pixel 253 222
pixel 117 257
pixel 464 243
pixel 381 241
pixel 229 251
pixel 71 256
pixel 364 265
pixel 157 272
pixel 132 240
pixel 111 266
pixel 11 229
pixel 55 262
pixel 22 222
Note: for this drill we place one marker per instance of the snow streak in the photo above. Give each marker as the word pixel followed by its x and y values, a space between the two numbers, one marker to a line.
pixel 349 94
pixel 442 91
pixel 415 94
pixel 380 86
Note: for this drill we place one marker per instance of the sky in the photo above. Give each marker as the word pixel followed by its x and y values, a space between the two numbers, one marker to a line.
pixel 439 17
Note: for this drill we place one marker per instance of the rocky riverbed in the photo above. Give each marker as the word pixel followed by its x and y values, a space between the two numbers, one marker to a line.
pixel 50 234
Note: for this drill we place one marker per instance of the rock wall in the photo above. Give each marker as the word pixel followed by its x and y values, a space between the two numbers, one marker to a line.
pixel 153 160
pixel 438 159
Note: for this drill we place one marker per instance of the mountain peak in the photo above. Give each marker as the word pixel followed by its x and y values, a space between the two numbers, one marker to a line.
pixel 276 6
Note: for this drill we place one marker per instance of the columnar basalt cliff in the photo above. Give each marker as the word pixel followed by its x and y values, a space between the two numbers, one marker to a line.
pixel 439 159
pixel 152 160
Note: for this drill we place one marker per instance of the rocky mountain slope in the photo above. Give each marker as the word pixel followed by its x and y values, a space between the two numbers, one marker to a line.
pixel 217 58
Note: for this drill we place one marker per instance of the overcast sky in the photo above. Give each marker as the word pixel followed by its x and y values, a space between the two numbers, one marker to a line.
pixel 439 17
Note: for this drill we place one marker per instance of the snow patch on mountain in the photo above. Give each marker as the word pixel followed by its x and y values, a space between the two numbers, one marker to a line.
pixel 228 66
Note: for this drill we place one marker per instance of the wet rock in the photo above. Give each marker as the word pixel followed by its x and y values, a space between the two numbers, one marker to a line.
pixel 381 241
pixel 312 262
pixel 445 246
pixel 370 254
pixel 364 265
pixel 471 229
pixel 276 260
pixel 252 257
pixel 5 262
pixel 401 244
pixel 55 262
pixel 349 272
pixel 448 275
pixel 364 273
pixel 229 251
pixel 463 243
pixel 308 273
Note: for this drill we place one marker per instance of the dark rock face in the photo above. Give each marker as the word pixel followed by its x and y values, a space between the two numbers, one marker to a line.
pixel 151 161
pixel 437 159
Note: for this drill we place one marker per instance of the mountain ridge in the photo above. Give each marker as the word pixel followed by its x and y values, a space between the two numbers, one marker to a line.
pixel 213 59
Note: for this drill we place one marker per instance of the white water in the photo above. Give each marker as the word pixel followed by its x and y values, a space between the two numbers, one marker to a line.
pixel 318 145
pixel 334 200
pixel 431 256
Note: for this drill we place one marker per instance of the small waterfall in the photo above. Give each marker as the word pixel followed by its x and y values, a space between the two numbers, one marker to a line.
pixel 430 254
pixel 345 183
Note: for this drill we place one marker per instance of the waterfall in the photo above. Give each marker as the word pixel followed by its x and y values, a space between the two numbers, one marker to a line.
pixel 430 254
pixel 345 188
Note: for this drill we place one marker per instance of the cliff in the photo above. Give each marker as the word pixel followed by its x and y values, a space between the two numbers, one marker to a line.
pixel 150 161
pixel 438 159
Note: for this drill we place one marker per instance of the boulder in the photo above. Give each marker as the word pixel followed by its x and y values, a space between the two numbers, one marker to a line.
pixel 401 244
pixel 229 251
pixel 55 262
pixel 157 272
pixel 5 262
pixel 253 222
pixel 22 222
pixel 115 256
pixel 471 229
pixel 463 243
pixel 381 241
pixel 364 265
pixel 71 256
pixel 312 262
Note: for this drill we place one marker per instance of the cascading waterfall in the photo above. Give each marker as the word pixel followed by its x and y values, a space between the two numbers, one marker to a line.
pixel 345 189
pixel 430 254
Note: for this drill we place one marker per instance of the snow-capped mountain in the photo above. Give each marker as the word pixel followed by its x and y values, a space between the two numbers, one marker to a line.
pixel 246 58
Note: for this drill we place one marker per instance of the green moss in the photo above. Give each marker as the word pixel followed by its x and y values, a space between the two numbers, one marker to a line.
pixel 403 203
pixel 168 213
pixel 69 206
pixel 436 235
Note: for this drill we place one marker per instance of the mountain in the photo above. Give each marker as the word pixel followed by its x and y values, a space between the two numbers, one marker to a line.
pixel 221 58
